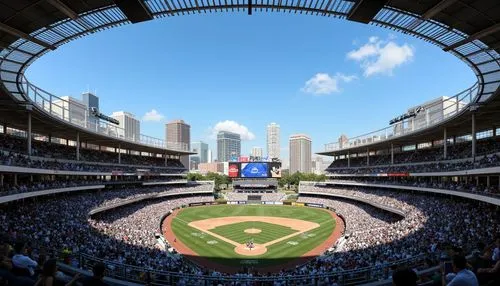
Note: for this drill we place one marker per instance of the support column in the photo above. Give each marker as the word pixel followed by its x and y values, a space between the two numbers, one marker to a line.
pixel 50 138
pixel 348 159
pixel 4 128
pixel 78 146
pixel 15 179
pixel 119 154
pixel 494 131
pixel 473 137
pixel 367 157
pixel 392 154
pixel 488 181
pixel 1 180
pixel 445 144
pixel 166 160
pixel 29 134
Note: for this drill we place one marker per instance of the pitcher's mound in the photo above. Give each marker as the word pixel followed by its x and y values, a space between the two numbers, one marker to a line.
pixel 253 230
pixel 257 249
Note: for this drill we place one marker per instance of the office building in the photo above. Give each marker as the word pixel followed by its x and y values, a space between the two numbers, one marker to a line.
pixel 273 141
pixel 201 150
pixel 90 100
pixel 178 137
pixel 300 153
pixel 71 109
pixel 343 141
pixel 318 165
pixel 129 127
pixel 257 152
pixel 210 156
pixel 228 146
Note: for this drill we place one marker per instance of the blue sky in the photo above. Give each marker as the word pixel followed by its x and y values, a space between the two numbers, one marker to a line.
pixel 314 75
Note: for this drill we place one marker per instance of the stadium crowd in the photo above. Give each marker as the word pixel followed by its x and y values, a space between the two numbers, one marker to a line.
pixel 19 160
pixel 62 225
pixel 127 235
pixel 428 228
pixel 26 186
pixel 459 186
pixel 18 145
pixel 492 160
pixel 265 197
pixel 434 154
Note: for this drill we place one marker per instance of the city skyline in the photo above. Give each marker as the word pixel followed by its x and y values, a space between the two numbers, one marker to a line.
pixel 323 93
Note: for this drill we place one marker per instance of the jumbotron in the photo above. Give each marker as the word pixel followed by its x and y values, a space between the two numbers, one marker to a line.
pixel 415 203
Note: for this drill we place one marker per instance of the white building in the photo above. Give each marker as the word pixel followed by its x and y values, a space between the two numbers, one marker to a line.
pixel 431 112
pixel 129 127
pixel 318 167
pixel 257 152
pixel 71 109
pixel 300 153
pixel 273 141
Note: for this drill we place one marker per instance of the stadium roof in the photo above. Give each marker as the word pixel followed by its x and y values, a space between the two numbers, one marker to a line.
pixel 469 29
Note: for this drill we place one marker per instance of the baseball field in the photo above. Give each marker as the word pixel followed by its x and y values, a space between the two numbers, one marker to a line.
pixel 261 236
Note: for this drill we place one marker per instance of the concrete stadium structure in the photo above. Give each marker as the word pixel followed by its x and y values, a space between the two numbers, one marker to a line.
pixel 470 30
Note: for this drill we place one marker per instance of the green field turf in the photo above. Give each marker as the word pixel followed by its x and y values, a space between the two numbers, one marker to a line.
pixel 236 231
pixel 222 252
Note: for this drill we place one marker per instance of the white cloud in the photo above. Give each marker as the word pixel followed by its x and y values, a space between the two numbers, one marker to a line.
pixel 323 83
pixel 381 57
pixel 232 126
pixel 153 115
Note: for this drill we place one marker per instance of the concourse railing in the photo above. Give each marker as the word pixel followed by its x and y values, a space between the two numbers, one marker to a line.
pixel 430 116
pixel 77 114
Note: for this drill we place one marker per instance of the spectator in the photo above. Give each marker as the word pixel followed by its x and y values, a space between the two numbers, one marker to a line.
pixel 404 277
pixel 97 279
pixel 23 264
pixel 462 276
pixel 48 277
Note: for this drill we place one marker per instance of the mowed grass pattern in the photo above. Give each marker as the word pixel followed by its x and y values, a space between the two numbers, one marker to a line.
pixel 269 232
pixel 222 252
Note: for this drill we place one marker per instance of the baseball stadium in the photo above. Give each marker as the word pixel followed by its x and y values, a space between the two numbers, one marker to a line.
pixel 414 203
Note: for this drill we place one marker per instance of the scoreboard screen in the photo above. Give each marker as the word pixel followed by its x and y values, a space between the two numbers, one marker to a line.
pixel 254 170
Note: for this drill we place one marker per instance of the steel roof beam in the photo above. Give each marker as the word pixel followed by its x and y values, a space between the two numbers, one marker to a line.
pixel 365 10
pixel 20 34
pixel 478 35
pixel 437 8
pixel 63 8
pixel 135 10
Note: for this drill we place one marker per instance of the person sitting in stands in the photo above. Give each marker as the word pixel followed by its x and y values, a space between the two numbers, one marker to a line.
pixel 98 270
pixel 463 276
pixel 23 265
pixel 404 277
pixel 48 277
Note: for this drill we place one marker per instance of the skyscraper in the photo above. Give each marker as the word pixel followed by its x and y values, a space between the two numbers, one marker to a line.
pixel 201 150
pixel 91 100
pixel 131 126
pixel 273 141
pixel 300 153
pixel 228 146
pixel 257 152
pixel 178 137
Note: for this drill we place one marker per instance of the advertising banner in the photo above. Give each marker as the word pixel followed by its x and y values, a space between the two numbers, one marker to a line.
pixel 274 170
pixel 234 170
pixel 244 159
pixel 254 170
pixel 314 205
pixel 402 174
pixel 297 204
pixel 242 202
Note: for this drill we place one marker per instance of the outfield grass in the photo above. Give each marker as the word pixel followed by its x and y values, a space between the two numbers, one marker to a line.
pixel 236 231
pixel 222 252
